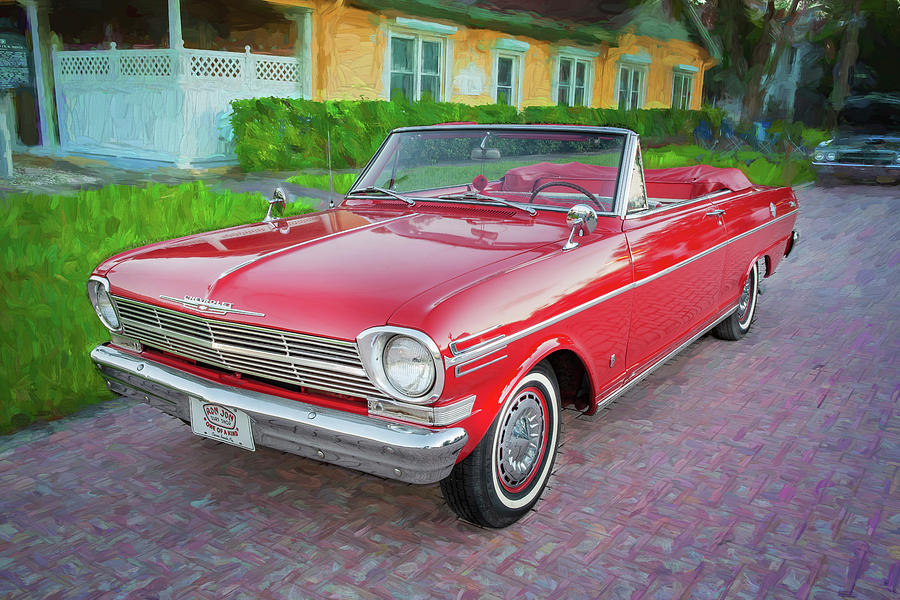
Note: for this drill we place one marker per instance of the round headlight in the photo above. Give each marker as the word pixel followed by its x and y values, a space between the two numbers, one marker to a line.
pixel 103 305
pixel 408 366
pixel 831 156
pixel 897 158
pixel 819 155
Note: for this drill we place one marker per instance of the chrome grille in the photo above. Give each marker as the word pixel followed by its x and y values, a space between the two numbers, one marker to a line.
pixel 871 157
pixel 309 361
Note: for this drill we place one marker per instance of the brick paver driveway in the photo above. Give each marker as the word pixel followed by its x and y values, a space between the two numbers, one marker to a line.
pixel 763 468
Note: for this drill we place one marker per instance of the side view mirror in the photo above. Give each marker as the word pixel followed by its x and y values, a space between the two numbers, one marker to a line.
pixel 581 218
pixel 276 205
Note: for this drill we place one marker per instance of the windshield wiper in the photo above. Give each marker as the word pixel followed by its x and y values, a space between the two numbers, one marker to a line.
pixel 475 196
pixel 392 193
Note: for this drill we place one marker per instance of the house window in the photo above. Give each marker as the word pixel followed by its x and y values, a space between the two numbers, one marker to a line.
pixel 573 82
pixel 416 67
pixel 631 86
pixel 682 85
pixel 507 74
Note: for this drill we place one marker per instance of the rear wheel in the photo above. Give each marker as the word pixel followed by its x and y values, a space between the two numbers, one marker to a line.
pixel 502 479
pixel 738 323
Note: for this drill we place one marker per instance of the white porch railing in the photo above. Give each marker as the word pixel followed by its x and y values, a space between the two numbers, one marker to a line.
pixel 163 104
pixel 234 67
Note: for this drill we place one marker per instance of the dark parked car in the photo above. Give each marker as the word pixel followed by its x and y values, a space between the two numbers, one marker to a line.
pixel 866 144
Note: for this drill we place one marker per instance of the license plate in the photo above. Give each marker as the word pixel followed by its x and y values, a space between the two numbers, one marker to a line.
pixel 221 423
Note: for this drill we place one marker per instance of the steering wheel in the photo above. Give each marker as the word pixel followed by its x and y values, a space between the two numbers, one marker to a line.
pixel 574 186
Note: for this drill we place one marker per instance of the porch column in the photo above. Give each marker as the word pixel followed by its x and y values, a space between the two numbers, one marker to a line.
pixel 39 25
pixel 175 37
pixel 302 18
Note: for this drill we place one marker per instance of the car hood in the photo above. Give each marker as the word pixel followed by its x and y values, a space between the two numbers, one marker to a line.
pixel 333 273
pixel 865 139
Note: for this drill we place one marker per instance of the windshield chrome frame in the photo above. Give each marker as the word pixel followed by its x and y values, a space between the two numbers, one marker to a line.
pixel 622 183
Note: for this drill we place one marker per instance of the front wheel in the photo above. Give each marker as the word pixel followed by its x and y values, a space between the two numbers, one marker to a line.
pixel 738 323
pixel 502 479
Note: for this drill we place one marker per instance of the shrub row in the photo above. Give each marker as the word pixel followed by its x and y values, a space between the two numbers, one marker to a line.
pixel 48 247
pixel 290 134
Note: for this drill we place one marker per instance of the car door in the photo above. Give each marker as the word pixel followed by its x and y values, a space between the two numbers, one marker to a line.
pixel 677 273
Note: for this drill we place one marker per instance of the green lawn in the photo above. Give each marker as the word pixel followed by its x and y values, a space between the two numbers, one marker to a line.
pixel 48 247
pixel 342 181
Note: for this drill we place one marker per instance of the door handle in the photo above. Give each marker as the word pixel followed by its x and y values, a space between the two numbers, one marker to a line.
pixel 715 213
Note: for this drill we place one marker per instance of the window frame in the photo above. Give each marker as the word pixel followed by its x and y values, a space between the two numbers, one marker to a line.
pixel 576 56
pixel 643 69
pixel 418 40
pixel 516 72
pixel 687 77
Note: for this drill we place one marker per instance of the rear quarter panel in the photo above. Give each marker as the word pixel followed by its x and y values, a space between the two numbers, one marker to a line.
pixel 753 233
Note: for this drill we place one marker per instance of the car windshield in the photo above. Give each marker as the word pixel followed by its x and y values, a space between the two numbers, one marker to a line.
pixel 876 113
pixel 528 167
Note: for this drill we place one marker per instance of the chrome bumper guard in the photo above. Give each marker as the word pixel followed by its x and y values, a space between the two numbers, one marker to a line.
pixel 408 453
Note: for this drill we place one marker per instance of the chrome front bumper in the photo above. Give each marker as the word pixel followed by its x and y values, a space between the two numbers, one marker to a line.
pixel 857 170
pixel 406 452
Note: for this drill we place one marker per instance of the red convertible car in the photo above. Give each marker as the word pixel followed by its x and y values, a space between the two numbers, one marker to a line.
pixel 474 281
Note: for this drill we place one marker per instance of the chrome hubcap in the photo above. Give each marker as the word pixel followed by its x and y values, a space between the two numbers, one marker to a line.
pixel 521 439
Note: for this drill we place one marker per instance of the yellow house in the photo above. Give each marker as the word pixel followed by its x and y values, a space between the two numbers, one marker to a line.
pixel 154 79
pixel 374 50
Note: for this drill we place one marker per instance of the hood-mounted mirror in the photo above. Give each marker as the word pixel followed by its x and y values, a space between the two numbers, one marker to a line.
pixel 276 205
pixel 582 219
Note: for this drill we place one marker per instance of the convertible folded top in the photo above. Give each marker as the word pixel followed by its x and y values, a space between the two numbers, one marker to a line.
pixel 682 183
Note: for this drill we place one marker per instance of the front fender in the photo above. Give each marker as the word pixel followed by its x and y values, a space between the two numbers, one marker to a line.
pixel 501 379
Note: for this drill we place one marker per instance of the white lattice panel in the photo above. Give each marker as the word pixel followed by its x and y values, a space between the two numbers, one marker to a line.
pixel 145 65
pixel 88 64
pixel 277 70
pixel 219 66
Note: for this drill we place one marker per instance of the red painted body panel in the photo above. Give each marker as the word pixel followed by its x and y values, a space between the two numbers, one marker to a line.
pixel 669 305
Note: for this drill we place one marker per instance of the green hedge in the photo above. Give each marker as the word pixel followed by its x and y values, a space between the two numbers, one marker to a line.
pixel 48 247
pixel 759 168
pixel 291 134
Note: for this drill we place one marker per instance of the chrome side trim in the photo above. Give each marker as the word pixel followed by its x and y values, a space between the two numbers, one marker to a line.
pixel 247 263
pixel 491 346
pixel 456 351
pixel 455 344
pixel 719 246
pixel 488 348
pixel 635 379
pixel 459 368
pixel 409 453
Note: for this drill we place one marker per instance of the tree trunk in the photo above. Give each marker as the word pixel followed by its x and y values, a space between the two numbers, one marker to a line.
pixel 847 55
pixel 764 60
